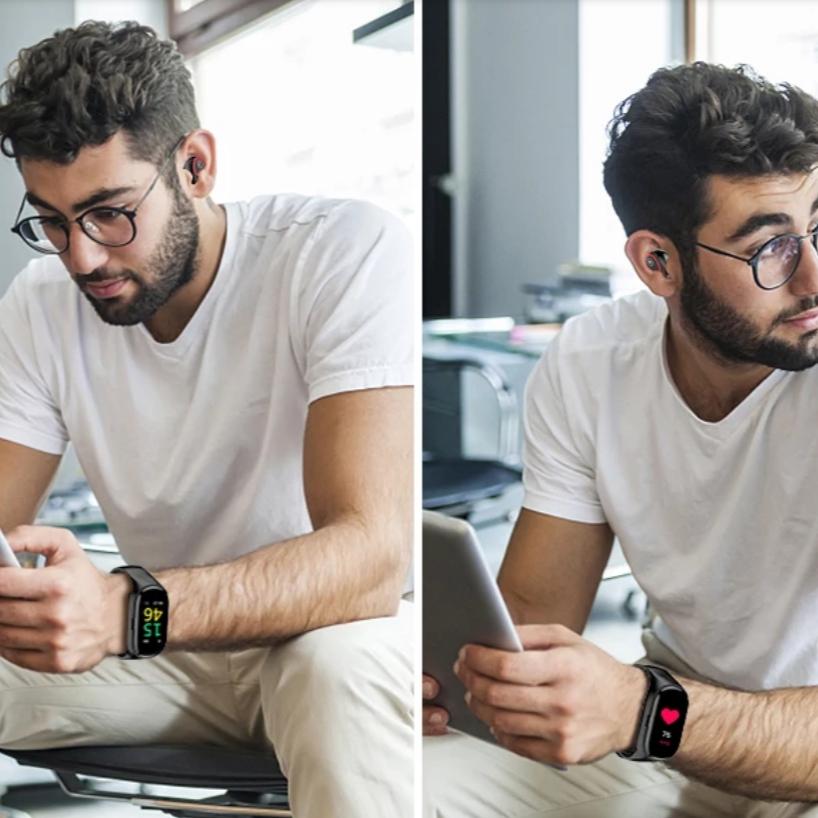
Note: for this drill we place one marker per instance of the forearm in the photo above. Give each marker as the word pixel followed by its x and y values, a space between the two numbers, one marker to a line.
pixel 761 745
pixel 338 573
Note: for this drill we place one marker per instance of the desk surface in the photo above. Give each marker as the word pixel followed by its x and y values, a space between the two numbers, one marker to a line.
pixel 525 340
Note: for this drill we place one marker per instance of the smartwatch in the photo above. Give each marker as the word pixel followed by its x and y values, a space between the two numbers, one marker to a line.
pixel 147 622
pixel 659 732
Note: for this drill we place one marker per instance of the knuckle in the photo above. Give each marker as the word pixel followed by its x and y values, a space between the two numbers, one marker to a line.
pixel 492 694
pixel 568 753
pixel 62 663
pixel 60 586
pixel 505 665
pixel 57 616
pixel 569 704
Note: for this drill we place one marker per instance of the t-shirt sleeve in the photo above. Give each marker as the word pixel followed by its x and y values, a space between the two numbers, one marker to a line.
pixel 354 306
pixel 28 412
pixel 557 477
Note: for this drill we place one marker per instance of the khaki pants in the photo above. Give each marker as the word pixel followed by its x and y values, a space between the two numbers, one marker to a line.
pixel 467 778
pixel 335 703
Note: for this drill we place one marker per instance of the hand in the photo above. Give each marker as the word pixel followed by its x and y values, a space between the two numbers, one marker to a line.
pixel 561 701
pixel 65 617
pixel 435 719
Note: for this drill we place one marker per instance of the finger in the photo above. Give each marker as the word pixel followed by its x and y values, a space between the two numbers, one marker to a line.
pixel 534 748
pixel 435 720
pixel 56 544
pixel 22 614
pixel 546 636
pixel 511 721
pixel 530 667
pixel 23 583
pixel 29 659
pixel 23 638
pixel 524 698
pixel 430 687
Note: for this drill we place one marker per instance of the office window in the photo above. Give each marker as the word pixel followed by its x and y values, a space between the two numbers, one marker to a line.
pixel 297 106
pixel 649 34
pixel 780 41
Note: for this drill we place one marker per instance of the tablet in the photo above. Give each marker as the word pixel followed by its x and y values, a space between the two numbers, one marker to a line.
pixel 7 557
pixel 461 605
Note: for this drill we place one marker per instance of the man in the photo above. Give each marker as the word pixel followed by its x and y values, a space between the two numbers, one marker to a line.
pixel 234 381
pixel 680 420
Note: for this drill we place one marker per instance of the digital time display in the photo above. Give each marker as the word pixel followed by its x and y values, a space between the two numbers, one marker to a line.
pixel 152 622
pixel 668 722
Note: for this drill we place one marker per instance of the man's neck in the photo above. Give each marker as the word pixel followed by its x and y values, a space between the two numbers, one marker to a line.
pixel 168 322
pixel 712 388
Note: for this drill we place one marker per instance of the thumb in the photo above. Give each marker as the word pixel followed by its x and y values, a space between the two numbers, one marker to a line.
pixel 546 636
pixel 56 544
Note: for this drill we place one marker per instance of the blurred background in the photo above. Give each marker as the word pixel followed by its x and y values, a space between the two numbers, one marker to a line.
pixel 518 231
pixel 308 96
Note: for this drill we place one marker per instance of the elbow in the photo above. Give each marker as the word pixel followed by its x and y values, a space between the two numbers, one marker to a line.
pixel 388 558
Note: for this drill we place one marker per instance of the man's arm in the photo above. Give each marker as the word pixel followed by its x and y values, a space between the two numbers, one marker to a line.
pixel 68 616
pixel 25 475
pixel 552 569
pixel 760 745
pixel 358 485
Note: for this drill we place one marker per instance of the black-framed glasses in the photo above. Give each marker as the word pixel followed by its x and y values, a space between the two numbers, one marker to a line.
pixel 104 224
pixel 775 262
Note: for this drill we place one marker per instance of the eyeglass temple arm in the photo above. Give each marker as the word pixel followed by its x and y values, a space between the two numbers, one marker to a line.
pixel 722 252
pixel 161 171
pixel 19 212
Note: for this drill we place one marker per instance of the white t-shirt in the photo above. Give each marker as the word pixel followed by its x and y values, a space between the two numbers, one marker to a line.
pixel 718 521
pixel 194 448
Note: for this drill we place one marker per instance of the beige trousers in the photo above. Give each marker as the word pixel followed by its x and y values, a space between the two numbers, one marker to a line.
pixel 335 703
pixel 467 778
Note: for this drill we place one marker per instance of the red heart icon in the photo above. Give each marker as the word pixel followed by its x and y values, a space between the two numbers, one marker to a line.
pixel 668 715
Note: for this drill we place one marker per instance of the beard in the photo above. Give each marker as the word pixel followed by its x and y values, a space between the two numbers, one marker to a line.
pixel 172 265
pixel 719 329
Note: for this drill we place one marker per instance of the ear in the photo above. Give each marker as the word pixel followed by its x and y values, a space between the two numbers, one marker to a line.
pixel 199 146
pixel 656 262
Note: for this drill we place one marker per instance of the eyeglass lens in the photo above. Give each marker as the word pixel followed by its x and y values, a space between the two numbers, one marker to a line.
pixel 779 258
pixel 105 226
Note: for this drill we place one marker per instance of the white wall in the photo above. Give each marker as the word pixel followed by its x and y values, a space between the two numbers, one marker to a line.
pixel 24 23
pixel 152 13
pixel 515 110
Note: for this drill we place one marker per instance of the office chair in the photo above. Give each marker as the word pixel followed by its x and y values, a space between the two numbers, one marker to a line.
pixel 253 782
pixel 454 484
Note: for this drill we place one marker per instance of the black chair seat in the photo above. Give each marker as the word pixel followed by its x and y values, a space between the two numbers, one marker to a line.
pixel 455 482
pixel 173 765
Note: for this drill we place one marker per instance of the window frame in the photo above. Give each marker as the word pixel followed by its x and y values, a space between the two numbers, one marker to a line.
pixel 209 21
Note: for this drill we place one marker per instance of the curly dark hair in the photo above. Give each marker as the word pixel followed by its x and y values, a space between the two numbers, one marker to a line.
pixel 84 84
pixel 693 121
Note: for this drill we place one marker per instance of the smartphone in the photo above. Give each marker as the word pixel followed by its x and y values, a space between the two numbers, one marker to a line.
pixel 8 558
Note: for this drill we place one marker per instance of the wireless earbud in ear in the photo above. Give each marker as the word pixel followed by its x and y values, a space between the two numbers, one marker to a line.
pixel 657 260
pixel 194 166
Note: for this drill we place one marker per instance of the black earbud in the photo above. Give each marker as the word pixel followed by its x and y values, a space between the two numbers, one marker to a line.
pixel 657 260
pixel 194 166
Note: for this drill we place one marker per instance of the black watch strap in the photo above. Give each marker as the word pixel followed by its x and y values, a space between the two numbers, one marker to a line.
pixel 141 578
pixel 147 617
pixel 662 718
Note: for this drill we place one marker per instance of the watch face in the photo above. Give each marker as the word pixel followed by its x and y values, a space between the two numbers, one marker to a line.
pixel 152 619
pixel 668 720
